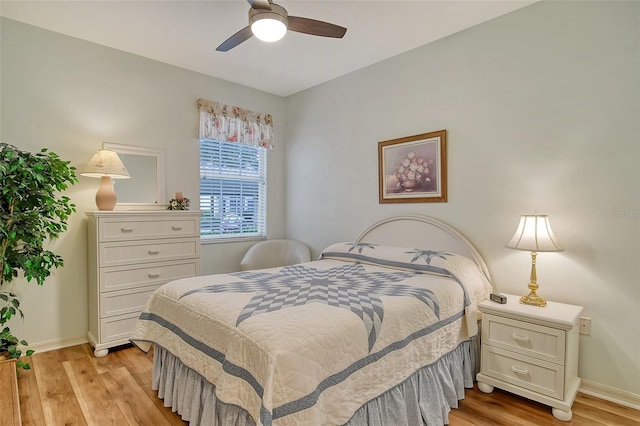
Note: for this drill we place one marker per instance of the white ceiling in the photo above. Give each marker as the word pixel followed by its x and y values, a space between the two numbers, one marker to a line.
pixel 185 33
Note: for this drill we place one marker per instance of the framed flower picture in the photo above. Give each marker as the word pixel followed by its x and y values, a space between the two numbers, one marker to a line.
pixel 413 169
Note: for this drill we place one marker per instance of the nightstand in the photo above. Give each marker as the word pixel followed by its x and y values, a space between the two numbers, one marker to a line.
pixel 531 351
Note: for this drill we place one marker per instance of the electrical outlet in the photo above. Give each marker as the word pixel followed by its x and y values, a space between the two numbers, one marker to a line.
pixel 585 325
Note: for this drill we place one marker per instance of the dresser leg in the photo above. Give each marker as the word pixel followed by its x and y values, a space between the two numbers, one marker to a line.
pixel 98 353
pixel 484 387
pixel 559 414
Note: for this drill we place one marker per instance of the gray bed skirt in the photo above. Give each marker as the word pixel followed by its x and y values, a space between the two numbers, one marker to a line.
pixel 425 398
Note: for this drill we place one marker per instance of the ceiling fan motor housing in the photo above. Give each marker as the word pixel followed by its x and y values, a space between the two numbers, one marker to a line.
pixel 276 12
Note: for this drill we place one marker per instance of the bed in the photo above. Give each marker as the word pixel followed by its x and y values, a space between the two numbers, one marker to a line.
pixel 377 331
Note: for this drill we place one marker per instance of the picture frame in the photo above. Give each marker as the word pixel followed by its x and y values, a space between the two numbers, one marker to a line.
pixel 413 169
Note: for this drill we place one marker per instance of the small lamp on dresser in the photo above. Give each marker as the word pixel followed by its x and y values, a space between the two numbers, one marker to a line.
pixel 105 165
pixel 534 234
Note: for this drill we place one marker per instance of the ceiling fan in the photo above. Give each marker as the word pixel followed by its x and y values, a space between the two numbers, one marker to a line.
pixel 270 22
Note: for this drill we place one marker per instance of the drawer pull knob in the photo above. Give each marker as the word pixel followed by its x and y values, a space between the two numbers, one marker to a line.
pixel 519 370
pixel 176 228
pixel 151 275
pixel 153 252
pixel 126 230
pixel 520 338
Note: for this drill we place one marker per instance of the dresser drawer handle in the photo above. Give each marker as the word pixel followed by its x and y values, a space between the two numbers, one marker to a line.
pixel 520 338
pixel 151 275
pixel 126 230
pixel 519 370
pixel 176 228
pixel 153 252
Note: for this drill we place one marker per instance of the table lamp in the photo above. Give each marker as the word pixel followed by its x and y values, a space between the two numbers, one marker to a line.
pixel 534 234
pixel 105 165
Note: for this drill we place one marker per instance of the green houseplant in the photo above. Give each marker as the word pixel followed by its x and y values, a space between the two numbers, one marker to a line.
pixel 31 211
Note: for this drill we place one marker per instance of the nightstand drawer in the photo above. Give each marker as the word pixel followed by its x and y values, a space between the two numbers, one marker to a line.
pixel 538 376
pixel 130 252
pixel 532 340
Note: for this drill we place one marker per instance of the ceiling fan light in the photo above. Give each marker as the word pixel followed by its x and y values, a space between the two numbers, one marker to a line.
pixel 269 29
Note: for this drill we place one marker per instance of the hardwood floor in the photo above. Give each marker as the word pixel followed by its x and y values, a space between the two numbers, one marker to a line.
pixel 505 409
pixel 71 387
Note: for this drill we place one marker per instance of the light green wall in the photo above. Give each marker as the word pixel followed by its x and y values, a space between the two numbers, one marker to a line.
pixel 71 96
pixel 542 109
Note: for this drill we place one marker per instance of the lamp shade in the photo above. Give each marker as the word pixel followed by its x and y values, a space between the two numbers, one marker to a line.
pixel 534 234
pixel 105 163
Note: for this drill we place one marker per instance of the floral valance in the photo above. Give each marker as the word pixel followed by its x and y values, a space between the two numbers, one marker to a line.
pixel 232 124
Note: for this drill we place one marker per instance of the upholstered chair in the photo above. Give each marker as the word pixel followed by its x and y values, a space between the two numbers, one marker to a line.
pixel 274 253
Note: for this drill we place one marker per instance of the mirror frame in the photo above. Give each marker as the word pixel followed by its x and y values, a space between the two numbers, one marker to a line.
pixel 149 152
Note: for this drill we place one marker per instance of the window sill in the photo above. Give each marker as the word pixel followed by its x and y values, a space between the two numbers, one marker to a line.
pixel 205 240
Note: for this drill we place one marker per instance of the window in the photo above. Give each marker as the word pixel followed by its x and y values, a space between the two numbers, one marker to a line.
pixel 232 190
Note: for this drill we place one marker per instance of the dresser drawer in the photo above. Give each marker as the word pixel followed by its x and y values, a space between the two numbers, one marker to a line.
pixel 148 228
pixel 130 252
pixel 118 328
pixel 128 277
pixel 125 301
pixel 532 340
pixel 535 375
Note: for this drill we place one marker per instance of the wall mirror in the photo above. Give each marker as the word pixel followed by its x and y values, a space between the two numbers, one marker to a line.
pixel 145 188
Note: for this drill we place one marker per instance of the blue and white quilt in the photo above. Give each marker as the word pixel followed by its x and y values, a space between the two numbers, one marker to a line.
pixel 309 344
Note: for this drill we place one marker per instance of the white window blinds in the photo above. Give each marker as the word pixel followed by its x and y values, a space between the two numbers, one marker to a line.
pixel 232 190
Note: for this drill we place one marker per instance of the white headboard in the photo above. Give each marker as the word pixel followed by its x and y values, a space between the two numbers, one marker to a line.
pixel 417 231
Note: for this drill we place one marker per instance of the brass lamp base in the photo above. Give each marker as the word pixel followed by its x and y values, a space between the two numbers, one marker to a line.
pixel 533 299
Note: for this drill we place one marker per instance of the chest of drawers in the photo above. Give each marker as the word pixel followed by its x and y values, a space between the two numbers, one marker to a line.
pixel 531 351
pixel 132 253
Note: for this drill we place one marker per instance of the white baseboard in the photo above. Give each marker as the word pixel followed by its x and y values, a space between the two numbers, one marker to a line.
pixel 608 393
pixel 51 345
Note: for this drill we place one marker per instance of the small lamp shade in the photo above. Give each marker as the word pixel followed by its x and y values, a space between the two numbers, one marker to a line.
pixel 534 234
pixel 105 165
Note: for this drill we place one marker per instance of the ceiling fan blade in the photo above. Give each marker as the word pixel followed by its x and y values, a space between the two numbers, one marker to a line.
pixel 313 27
pixel 260 4
pixel 239 37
